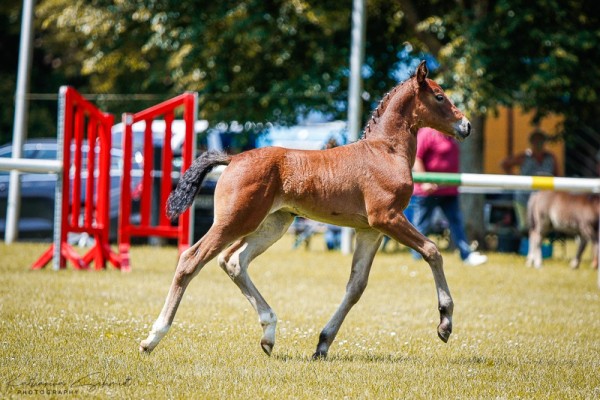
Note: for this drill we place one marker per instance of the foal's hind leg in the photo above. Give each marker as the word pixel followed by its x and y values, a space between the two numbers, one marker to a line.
pixel 235 261
pixel 367 243
pixel 190 263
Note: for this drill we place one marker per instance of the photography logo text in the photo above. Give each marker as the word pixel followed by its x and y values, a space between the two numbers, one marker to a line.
pixel 31 385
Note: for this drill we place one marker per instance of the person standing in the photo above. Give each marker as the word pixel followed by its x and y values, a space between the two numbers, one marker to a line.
pixel 534 161
pixel 437 152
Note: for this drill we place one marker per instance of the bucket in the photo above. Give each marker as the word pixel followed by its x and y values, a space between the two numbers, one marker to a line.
pixel 546 248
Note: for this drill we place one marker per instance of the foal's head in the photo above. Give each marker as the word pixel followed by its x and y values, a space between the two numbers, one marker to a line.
pixel 435 110
pixel 419 102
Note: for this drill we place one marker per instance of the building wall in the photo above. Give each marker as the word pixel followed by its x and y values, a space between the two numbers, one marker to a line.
pixel 498 132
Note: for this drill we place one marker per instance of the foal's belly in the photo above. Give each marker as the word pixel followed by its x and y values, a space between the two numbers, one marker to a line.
pixel 345 215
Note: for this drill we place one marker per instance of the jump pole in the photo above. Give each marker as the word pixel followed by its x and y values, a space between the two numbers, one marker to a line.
pixel 31 165
pixel 590 185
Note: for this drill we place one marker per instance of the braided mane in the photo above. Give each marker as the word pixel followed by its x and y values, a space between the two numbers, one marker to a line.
pixel 380 109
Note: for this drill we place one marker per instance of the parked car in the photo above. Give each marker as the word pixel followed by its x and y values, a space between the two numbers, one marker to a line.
pixel 36 219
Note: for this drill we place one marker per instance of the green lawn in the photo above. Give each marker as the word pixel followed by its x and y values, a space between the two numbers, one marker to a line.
pixel 518 332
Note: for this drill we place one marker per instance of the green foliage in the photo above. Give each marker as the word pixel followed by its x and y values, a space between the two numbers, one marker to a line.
pixel 541 55
pixel 254 60
pixel 9 45
pixel 249 60
pixel 47 74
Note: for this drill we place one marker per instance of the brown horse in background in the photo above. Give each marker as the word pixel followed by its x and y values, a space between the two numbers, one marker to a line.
pixel 365 185
pixel 570 213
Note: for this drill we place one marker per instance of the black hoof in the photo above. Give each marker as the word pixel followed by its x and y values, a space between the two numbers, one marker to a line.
pixel 444 336
pixel 319 355
pixel 444 330
pixel 267 347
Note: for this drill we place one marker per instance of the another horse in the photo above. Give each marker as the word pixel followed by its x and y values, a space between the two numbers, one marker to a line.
pixel 365 185
pixel 573 214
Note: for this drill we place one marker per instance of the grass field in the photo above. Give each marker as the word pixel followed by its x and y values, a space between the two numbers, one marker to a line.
pixel 518 332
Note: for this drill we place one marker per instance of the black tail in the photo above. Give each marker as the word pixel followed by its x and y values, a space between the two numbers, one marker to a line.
pixel 189 184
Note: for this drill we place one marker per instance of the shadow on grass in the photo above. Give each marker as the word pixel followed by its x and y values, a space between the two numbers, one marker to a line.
pixel 478 360
pixel 350 358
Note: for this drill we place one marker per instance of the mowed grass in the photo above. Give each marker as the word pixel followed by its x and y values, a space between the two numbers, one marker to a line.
pixel 518 332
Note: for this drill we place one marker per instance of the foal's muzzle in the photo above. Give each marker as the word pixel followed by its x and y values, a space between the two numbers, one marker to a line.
pixel 462 129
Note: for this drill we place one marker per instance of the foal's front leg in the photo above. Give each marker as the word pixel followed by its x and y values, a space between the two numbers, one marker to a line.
pixel 367 243
pixel 405 233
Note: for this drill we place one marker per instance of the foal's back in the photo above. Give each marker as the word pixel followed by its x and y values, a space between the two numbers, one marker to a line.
pixel 336 186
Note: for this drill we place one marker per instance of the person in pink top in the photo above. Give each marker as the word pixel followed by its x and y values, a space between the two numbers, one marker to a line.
pixel 437 152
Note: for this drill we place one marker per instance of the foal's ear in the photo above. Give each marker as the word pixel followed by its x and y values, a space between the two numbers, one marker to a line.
pixel 422 72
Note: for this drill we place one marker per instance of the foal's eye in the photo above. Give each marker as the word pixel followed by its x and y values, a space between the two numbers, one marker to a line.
pixel 439 97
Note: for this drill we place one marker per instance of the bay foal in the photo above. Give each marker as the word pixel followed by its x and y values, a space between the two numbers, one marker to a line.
pixel 365 185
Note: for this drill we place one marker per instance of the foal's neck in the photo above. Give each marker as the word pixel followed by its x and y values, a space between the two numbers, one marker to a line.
pixel 397 125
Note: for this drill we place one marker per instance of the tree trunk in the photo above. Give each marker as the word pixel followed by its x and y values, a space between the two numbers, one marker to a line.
pixel 471 161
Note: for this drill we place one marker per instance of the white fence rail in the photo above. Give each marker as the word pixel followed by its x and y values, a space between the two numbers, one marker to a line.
pixel 30 165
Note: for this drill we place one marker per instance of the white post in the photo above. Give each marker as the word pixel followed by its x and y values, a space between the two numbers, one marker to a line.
pixel 20 121
pixel 357 56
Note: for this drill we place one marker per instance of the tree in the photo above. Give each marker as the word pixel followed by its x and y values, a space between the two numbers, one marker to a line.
pixel 42 116
pixel 9 45
pixel 249 60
